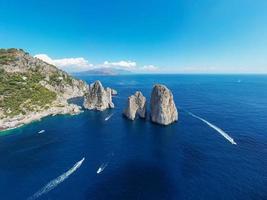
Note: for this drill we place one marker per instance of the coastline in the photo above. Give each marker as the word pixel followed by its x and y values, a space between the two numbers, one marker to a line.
pixel 7 124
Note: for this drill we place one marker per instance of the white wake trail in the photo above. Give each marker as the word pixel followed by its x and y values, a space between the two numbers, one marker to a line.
pixel 102 167
pixel 108 117
pixel 224 134
pixel 54 183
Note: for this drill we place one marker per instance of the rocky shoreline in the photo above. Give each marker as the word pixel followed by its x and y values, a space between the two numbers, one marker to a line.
pixel 20 120
pixel 96 97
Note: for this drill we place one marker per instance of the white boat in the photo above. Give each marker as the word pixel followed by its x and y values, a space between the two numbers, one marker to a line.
pixel 101 168
pixel 41 131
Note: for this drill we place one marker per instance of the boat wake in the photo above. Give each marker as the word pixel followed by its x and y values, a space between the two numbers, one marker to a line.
pixel 224 134
pixel 102 167
pixel 108 117
pixel 54 183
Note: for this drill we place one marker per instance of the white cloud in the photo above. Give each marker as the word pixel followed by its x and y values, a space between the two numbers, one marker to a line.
pixel 80 64
pixel 121 64
pixel 45 58
pixel 150 68
pixel 67 64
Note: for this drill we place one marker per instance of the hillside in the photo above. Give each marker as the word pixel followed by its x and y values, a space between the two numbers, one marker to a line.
pixel 31 89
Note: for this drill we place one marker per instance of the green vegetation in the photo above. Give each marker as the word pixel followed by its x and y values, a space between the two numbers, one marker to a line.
pixel 6 56
pixel 68 80
pixel 20 93
pixel 54 79
pixel 20 87
pixel 58 78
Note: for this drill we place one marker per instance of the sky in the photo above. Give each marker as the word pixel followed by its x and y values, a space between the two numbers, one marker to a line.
pixel 144 36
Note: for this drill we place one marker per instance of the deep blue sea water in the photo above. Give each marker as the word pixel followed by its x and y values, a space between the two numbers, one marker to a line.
pixel 141 160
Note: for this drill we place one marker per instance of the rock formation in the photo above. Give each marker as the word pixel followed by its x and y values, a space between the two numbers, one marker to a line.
pixel 136 106
pixel 162 106
pixel 114 92
pixel 98 98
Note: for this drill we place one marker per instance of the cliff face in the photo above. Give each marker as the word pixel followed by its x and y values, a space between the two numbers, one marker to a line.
pixel 136 106
pixel 29 86
pixel 98 98
pixel 18 62
pixel 162 106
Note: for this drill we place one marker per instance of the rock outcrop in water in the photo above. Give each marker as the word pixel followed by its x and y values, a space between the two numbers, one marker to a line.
pixel 136 106
pixel 98 98
pixel 114 92
pixel 162 106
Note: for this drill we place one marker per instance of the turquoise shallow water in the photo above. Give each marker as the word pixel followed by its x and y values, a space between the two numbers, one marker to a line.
pixel 141 160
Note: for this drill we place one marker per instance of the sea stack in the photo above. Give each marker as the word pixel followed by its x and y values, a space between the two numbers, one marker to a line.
pixel 162 106
pixel 98 98
pixel 113 92
pixel 136 106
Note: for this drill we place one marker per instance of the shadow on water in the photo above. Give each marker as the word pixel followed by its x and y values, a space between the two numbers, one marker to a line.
pixel 193 161
pixel 134 180
pixel 24 154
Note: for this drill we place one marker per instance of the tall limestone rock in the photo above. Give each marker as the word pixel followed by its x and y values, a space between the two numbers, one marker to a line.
pixel 162 106
pixel 98 98
pixel 136 106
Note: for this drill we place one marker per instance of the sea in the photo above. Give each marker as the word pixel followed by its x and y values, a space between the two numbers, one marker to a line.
pixel 216 151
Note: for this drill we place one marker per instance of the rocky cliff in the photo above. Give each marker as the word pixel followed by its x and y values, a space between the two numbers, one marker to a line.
pixel 162 106
pixel 98 98
pixel 136 106
pixel 31 88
